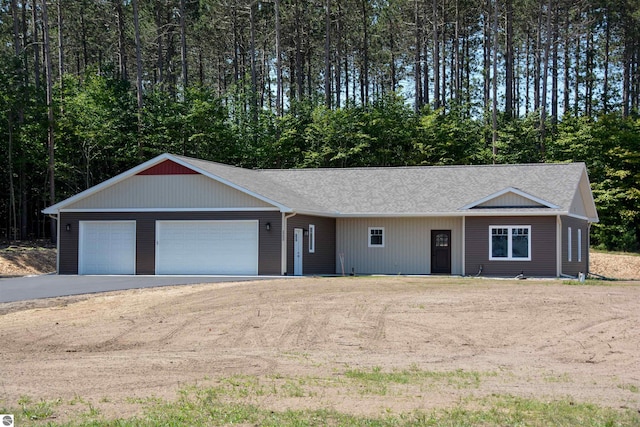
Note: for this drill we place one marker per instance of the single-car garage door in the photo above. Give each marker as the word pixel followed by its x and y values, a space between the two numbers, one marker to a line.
pixel 207 247
pixel 107 247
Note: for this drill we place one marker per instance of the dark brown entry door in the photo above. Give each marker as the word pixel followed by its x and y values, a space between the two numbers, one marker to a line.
pixel 441 251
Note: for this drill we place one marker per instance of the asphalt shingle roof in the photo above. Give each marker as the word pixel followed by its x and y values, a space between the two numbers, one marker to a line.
pixel 400 190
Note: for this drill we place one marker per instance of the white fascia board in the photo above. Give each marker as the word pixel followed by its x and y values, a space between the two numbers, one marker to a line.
pixel 514 191
pixel 111 181
pixel 449 214
pixel 171 209
pixel 585 218
pixel 221 180
pixel 326 214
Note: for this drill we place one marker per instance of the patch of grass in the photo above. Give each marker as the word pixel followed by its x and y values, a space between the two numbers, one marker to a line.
pixel 631 387
pixel 590 282
pixel 198 406
pixel 458 378
pixel 39 410
pixel 553 378
pixel 293 389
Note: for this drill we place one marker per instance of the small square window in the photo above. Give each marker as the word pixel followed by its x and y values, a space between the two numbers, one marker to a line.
pixel 376 237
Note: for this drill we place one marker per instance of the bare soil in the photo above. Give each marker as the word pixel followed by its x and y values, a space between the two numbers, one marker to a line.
pixel 534 339
pixel 27 258
pixel 118 351
pixel 615 266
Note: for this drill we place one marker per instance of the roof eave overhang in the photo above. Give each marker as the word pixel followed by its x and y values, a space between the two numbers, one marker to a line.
pixel 460 214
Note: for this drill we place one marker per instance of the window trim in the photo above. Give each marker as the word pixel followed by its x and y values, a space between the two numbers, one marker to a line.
pixel 369 235
pixel 312 238
pixel 579 244
pixel 510 256
pixel 569 245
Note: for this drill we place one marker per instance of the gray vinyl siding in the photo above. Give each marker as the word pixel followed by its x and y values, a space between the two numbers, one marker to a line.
pixel 407 245
pixel 543 247
pixel 268 241
pixel 323 260
pixel 573 267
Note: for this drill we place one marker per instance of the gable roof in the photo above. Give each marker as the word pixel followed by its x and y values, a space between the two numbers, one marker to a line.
pixel 396 191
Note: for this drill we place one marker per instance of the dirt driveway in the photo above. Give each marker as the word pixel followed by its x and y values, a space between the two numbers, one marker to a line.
pixel 541 339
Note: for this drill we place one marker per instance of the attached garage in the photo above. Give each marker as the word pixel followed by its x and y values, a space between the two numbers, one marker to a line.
pixel 207 247
pixel 107 247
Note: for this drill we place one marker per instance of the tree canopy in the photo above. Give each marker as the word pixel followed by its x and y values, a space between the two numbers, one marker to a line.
pixel 292 83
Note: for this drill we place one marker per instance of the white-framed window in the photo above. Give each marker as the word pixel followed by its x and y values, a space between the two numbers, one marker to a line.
pixel 579 244
pixel 510 242
pixel 312 238
pixel 376 237
pixel 569 248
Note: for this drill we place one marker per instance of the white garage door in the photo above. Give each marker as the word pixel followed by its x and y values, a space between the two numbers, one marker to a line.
pixel 207 247
pixel 107 247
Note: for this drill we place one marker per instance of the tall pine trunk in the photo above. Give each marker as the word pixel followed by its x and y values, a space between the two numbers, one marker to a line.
pixel 183 45
pixel 279 97
pixel 327 53
pixel 50 126
pixel 136 26
pixel 418 100
pixel 508 60
pixel 436 56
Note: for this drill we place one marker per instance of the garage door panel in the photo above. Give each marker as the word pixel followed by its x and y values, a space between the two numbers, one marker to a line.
pixel 207 247
pixel 107 247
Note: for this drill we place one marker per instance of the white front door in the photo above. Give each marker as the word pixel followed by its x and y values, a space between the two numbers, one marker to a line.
pixel 297 251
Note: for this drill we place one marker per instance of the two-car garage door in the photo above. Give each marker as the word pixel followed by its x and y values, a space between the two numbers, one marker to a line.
pixel 181 247
pixel 207 247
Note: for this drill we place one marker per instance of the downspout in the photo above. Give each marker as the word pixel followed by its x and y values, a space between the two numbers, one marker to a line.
pixel 464 246
pixel 283 246
pixel 558 246
pixel 57 219
pixel 588 249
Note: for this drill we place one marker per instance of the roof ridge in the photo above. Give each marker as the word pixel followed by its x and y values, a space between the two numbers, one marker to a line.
pixel 356 168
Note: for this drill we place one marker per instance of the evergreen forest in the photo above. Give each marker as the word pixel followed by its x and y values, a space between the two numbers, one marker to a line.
pixel 91 88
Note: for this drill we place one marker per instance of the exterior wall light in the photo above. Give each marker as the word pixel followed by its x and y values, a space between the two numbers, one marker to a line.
pixel 68 227
pixel 268 226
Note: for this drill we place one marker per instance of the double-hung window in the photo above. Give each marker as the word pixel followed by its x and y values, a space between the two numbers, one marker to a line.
pixel 376 237
pixel 510 242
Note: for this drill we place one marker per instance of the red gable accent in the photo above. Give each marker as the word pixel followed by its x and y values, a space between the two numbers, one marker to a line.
pixel 168 167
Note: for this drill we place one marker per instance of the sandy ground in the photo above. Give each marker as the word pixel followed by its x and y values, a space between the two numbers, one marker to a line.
pixel 615 266
pixel 114 352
